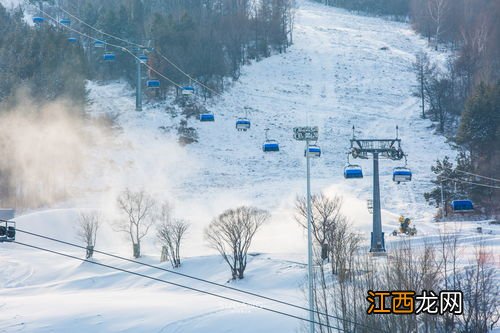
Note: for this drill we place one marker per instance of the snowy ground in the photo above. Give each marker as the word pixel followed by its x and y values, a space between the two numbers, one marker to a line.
pixel 335 76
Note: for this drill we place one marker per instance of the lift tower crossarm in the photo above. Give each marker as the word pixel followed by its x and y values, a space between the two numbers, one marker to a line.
pixel 390 148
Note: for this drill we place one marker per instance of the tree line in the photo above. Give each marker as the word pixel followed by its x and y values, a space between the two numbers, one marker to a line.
pixel 462 97
pixel 211 40
pixel 230 233
pixel 40 59
pixel 344 274
pixel 396 8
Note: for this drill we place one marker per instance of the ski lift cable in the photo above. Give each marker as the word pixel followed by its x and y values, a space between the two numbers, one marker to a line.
pixel 142 46
pixel 476 175
pixel 122 48
pixel 179 285
pixel 188 276
pixel 186 74
pixel 163 57
pixel 468 182
pixel 99 30
pixel 168 60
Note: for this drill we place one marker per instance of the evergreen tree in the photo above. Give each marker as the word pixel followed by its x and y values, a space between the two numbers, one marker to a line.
pixel 39 58
pixel 452 182
pixel 480 123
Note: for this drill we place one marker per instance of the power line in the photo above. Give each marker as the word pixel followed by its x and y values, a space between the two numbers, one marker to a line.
pixel 467 182
pixel 473 174
pixel 193 278
pixel 177 285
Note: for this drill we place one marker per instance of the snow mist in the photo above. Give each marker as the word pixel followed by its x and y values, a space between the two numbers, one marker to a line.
pixel 43 151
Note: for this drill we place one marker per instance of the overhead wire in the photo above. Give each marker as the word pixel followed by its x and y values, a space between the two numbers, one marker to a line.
pixel 99 30
pixel 468 182
pixel 476 175
pixel 261 307
pixel 191 277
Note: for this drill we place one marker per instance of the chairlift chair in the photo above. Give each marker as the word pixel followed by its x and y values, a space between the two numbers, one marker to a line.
pixel 72 39
pixel 353 171
pixel 314 151
pixel 143 58
pixel 207 117
pixel 153 84
pixel 401 175
pixel 99 44
pixel 187 90
pixel 462 206
pixel 65 21
pixel 270 146
pixel 243 124
pixel 38 19
pixel 109 56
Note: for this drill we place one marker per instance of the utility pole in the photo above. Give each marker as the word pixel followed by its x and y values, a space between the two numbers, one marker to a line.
pixel 422 93
pixel 308 134
pixel 391 149
pixel 309 241
pixel 443 204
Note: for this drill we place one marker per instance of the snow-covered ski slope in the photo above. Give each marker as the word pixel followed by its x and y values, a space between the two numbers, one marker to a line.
pixel 334 76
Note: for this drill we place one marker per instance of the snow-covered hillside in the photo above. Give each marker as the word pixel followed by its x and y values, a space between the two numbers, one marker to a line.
pixel 336 75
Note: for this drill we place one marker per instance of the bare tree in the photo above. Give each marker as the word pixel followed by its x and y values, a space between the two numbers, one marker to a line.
pixel 87 231
pixel 231 234
pixel 440 99
pixel 424 71
pixel 170 233
pixel 479 284
pixel 338 243
pixel 437 11
pixel 448 255
pixel 326 216
pixel 138 210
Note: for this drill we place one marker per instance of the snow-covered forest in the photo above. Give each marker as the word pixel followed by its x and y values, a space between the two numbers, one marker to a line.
pixel 151 181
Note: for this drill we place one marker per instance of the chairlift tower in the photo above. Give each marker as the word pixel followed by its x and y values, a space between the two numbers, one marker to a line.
pixel 138 85
pixel 385 148
pixel 308 134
